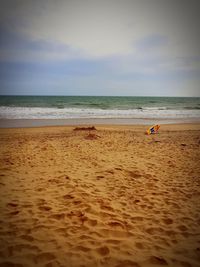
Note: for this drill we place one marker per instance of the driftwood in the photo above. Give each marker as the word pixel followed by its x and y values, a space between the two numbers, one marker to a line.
pixel 92 128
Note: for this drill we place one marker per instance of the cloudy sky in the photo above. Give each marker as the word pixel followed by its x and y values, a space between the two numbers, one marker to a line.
pixel 104 47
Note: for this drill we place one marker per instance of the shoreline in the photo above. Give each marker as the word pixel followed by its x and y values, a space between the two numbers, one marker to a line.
pixel 134 128
pixel 29 123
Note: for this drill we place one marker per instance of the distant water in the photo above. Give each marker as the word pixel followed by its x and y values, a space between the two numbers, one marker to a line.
pixel 76 107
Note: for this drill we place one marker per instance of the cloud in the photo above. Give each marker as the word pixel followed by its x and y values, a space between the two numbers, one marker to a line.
pixel 105 28
pixel 16 46
pixel 154 41
pixel 101 44
pixel 95 29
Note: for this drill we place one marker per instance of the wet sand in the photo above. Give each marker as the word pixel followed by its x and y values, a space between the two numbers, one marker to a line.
pixel 107 197
pixel 15 123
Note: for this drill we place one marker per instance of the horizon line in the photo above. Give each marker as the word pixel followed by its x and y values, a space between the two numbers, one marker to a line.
pixel 97 95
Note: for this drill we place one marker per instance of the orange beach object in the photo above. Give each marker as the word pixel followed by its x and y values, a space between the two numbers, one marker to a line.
pixel 153 129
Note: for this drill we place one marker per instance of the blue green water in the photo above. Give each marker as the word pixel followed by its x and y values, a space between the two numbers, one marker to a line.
pixel 102 102
pixel 97 107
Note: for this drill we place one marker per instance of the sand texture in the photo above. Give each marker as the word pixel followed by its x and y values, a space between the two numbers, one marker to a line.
pixel 108 197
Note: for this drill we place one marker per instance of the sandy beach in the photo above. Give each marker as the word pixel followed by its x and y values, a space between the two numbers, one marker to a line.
pixel 107 197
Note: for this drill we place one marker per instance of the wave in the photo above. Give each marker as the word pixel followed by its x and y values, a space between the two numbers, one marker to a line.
pixel 75 113
pixel 156 108
pixel 195 107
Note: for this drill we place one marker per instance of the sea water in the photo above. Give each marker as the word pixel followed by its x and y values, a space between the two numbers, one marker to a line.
pixel 99 107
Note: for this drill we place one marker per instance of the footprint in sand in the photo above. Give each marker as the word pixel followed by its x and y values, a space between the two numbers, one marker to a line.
pixel 157 260
pixel 103 251
pixel 45 208
pixel 27 238
pixel 154 230
pixel 58 216
pixel 182 228
pixel 44 257
pixel 99 177
pixel 116 224
pixel 167 221
pixel 139 245
pixel 68 197
pixel 92 222
pixel 12 204
pixel 134 174
pixel 106 207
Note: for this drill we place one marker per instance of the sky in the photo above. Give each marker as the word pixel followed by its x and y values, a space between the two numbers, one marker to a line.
pixel 104 47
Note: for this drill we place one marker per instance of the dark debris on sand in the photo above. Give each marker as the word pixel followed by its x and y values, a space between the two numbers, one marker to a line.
pixel 92 128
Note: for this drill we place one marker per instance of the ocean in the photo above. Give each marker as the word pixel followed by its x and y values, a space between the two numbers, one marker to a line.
pixel 99 107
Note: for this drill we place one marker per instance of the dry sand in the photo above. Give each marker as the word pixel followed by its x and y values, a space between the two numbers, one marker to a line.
pixel 112 197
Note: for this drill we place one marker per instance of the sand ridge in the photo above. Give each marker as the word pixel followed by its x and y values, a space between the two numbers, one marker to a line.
pixel 111 197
